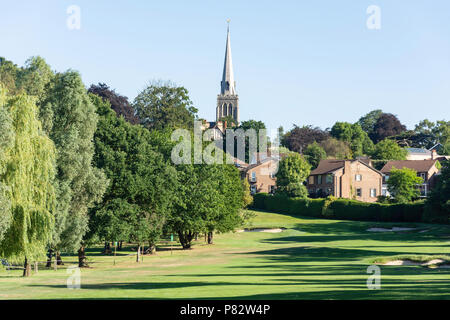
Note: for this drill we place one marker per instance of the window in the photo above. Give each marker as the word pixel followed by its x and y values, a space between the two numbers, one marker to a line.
pixel 386 178
pixel 373 193
pixel 329 178
pixel 253 189
pixel 358 177
pixel 311 179
pixel 272 175
pixel 253 177
pixel 423 175
pixel 272 189
pixel 359 192
pixel 319 179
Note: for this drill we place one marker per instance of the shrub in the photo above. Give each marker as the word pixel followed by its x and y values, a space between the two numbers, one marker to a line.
pixel 341 209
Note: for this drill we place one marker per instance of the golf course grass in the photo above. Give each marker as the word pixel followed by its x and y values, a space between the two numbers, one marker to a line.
pixel 310 259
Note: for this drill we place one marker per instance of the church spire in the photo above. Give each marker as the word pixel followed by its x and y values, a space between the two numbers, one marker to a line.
pixel 228 100
pixel 228 85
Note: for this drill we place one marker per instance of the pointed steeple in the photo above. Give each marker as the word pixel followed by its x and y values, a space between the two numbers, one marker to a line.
pixel 228 86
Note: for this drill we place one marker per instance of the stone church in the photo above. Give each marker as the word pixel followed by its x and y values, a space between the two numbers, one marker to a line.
pixel 227 100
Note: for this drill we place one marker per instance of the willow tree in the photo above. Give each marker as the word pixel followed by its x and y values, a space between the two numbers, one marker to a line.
pixel 70 119
pixel 6 142
pixel 28 171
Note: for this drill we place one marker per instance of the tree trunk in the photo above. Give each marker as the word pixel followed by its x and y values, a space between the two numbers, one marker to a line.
pixel 196 236
pixel 138 253
pixel 82 261
pixel 26 268
pixel 185 239
pixel 49 258
pixel 151 248
pixel 59 259
pixel 210 237
pixel 120 246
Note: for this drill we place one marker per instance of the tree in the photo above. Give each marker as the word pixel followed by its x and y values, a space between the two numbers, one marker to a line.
pixel 250 125
pixel 118 103
pixel 402 184
pixel 165 105
pixel 140 194
pixel 7 137
pixel 8 75
pixel 435 132
pixel 292 172
pixel 28 166
pixel 354 135
pixel 437 206
pixel 300 137
pixel 35 77
pixel 368 121
pixel 336 149
pixel 230 121
pixel 71 122
pixel 314 153
pixel 387 125
pixel 389 150
pixel 248 198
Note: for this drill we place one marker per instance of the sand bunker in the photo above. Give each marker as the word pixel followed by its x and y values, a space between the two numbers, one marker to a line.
pixel 413 263
pixel 274 230
pixel 390 230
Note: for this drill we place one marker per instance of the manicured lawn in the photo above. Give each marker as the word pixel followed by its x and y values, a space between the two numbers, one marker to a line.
pixel 311 259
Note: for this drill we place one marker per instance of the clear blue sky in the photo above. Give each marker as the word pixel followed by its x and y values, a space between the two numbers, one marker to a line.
pixel 302 62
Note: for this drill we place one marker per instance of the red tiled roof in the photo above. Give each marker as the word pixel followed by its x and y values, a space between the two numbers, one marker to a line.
pixel 418 165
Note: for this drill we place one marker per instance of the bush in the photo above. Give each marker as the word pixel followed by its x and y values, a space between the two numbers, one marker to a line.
pixel 341 209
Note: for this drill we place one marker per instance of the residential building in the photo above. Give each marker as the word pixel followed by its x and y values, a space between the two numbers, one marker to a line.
pixel 426 169
pixel 261 175
pixel 352 179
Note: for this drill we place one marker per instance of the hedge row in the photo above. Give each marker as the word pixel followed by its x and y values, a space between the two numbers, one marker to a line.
pixel 341 209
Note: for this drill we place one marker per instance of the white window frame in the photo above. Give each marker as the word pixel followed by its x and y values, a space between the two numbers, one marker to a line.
pixel 358 176
pixel 253 176
pixel 373 192
pixel 253 189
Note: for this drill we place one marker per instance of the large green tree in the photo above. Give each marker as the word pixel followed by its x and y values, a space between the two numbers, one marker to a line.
pixel 355 136
pixel 389 150
pixel 70 119
pixel 437 207
pixel 27 170
pixel 292 172
pixel 314 153
pixel 165 105
pixel 402 184
pixel 142 181
pixel 368 121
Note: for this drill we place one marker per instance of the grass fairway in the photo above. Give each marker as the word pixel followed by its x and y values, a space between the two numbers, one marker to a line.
pixel 311 259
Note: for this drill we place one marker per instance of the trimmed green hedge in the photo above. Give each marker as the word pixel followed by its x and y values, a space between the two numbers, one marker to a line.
pixel 341 209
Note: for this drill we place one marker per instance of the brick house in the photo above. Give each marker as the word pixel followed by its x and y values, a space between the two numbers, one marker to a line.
pixel 261 175
pixel 426 169
pixel 352 179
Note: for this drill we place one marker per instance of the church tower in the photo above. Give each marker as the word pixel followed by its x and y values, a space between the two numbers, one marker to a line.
pixel 228 100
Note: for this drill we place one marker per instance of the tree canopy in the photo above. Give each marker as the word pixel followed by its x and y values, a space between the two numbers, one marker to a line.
pixel 402 184
pixel 26 179
pixel 292 172
pixel 165 105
